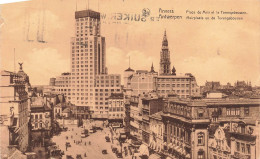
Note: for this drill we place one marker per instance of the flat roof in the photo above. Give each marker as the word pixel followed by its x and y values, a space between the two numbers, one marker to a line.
pixel 87 13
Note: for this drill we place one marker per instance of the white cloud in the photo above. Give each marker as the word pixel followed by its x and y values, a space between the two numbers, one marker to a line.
pixel 118 60
pixel 43 64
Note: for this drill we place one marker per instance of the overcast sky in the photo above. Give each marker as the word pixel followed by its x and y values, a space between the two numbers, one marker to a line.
pixel 213 50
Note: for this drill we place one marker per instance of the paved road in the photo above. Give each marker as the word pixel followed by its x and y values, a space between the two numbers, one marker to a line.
pixel 93 151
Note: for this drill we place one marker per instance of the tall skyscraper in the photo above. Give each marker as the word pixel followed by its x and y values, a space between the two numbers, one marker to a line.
pixel 165 62
pixel 90 83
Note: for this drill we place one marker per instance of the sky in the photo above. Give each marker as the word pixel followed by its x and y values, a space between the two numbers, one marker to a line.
pixel 212 50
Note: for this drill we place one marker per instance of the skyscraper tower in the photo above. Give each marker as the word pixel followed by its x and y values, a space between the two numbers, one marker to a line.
pixel 90 84
pixel 165 63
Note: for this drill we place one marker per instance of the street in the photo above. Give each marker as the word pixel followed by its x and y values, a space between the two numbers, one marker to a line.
pixel 91 145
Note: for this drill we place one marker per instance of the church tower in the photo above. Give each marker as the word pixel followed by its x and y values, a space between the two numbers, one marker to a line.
pixel 165 63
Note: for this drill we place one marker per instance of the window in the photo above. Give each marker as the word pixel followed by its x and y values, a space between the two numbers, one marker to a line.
pixel 201 154
pixel 200 138
pixel 243 147
pixel 228 111
pixel 238 146
pixel 233 111
pixel 200 113
pixel 246 111
pixel 243 129
pixel 248 149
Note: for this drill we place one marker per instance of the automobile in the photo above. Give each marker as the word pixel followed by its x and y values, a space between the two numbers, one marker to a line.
pixel 108 140
pixel 114 149
pixel 78 156
pixel 91 131
pixel 82 135
pixel 69 157
pixel 68 144
pixel 119 155
pixel 104 151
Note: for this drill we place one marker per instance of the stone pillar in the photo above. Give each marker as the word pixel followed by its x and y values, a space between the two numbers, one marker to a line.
pixel 232 146
pixel 253 150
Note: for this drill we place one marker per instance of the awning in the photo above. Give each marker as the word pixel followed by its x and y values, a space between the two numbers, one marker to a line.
pixel 144 150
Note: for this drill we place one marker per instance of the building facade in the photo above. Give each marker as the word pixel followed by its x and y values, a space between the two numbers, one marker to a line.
pixel 15 108
pixel 156 132
pixel 116 107
pixel 211 128
pixel 41 116
pixel 150 104
pixel 135 117
pixel 62 84
pixel 88 84
pixel 184 86
pixel 140 82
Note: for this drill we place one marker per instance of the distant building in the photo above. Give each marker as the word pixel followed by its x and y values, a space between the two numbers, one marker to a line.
pixel 143 81
pixel 184 86
pixel 150 104
pixel 63 83
pixel 52 81
pixel 136 117
pixel 116 107
pixel 140 82
pixel 156 132
pixel 40 115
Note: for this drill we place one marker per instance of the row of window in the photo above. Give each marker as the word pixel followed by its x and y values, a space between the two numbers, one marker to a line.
pixel 242 147
pixel 85 18
pixel 118 115
pixel 173 79
pixel 235 111
pixel 174 85
pixel 116 109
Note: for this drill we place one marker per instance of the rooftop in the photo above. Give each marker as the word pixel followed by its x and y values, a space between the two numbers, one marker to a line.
pixel 87 13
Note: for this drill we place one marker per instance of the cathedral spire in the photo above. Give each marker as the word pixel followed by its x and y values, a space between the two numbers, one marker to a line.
pixel 152 68
pixel 165 41
pixel 165 63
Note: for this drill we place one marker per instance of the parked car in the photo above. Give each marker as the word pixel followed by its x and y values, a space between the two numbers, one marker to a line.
pixel 82 135
pixel 108 140
pixel 119 155
pixel 68 144
pixel 78 156
pixel 114 149
pixel 104 151
pixel 69 157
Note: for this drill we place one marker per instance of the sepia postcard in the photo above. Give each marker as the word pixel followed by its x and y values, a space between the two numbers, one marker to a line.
pixel 132 79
